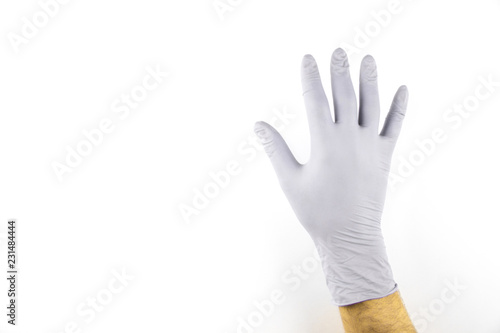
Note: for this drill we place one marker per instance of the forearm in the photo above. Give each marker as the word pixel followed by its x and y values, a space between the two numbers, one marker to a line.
pixel 385 315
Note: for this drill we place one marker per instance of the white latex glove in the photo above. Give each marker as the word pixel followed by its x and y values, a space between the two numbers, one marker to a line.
pixel 339 195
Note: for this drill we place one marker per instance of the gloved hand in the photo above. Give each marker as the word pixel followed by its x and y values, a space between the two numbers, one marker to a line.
pixel 339 195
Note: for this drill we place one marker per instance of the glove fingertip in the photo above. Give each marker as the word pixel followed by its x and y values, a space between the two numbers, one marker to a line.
pixel 258 126
pixel 263 131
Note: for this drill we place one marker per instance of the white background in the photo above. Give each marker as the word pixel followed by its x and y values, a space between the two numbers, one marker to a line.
pixel 119 209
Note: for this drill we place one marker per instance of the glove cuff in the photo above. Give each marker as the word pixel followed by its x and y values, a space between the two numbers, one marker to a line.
pixel 357 277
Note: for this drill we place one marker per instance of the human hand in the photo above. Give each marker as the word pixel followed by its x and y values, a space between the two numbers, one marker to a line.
pixel 338 196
